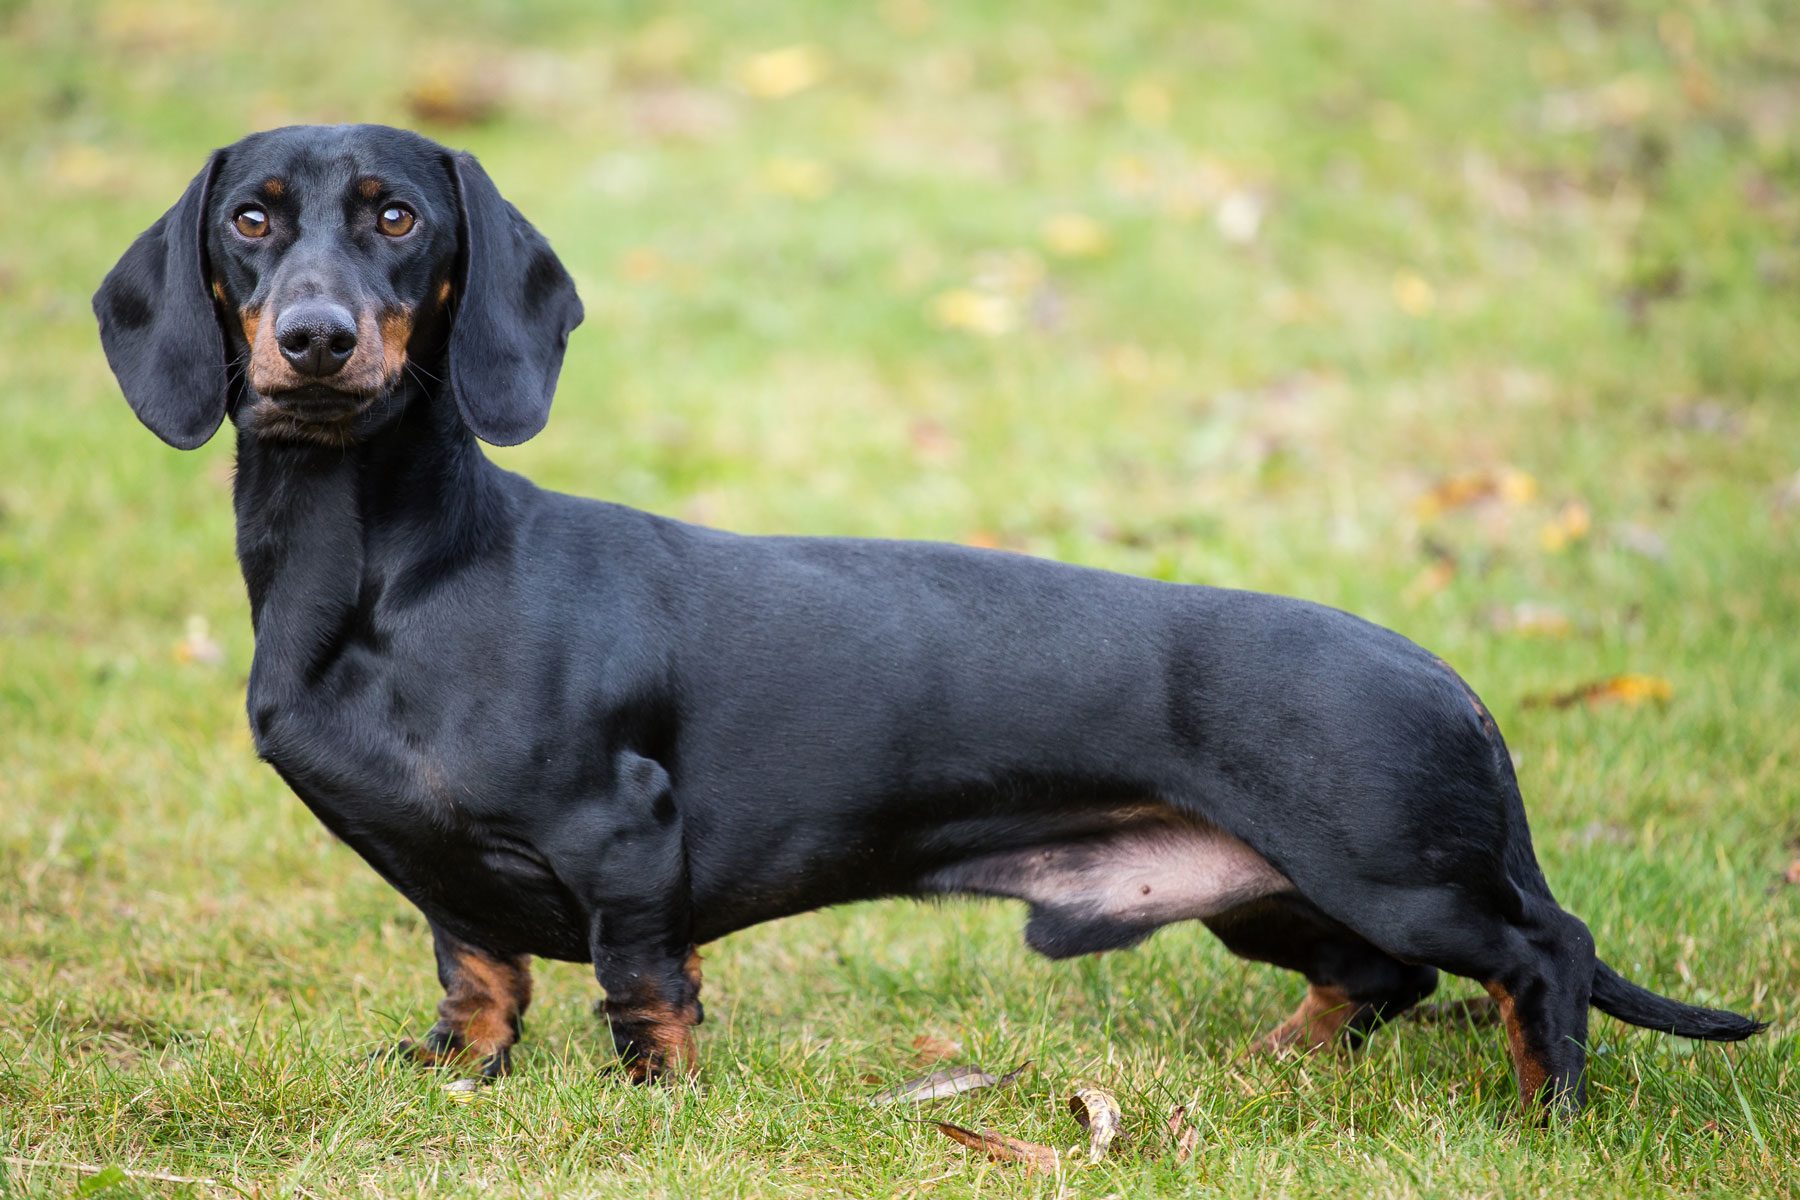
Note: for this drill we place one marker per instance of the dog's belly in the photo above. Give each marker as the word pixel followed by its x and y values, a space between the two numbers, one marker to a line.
pixel 1115 886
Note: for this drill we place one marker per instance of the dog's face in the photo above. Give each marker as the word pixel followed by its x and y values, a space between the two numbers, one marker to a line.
pixel 310 274
pixel 329 256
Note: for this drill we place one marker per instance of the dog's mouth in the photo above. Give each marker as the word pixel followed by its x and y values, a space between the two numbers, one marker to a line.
pixel 316 413
pixel 319 402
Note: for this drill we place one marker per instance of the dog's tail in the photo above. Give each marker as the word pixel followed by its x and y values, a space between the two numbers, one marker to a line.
pixel 1619 997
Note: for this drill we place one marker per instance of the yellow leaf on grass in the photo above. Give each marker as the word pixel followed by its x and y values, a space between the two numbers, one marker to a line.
pixel 1413 294
pixel 982 313
pixel 784 72
pixel 1505 484
pixel 1567 527
pixel 1075 235
pixel 1628 690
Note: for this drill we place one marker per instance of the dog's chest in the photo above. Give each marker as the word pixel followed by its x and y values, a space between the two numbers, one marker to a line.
pixel 427 821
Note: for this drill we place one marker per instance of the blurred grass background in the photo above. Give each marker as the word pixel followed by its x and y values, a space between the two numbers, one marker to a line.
pixel 1479 319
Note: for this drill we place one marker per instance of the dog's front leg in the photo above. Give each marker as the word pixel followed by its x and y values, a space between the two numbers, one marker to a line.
pixel 641 933
pixel 481 1014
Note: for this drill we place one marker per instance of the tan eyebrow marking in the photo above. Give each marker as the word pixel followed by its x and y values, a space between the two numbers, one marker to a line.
pixel 369 188
pixel 274 188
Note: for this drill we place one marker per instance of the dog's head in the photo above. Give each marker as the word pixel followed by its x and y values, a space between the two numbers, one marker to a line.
pixel 307 273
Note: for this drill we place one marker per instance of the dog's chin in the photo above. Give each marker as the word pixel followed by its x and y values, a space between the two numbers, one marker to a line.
pixel 315 415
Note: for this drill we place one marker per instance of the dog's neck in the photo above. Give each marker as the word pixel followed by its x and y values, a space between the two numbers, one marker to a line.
pixel 325 535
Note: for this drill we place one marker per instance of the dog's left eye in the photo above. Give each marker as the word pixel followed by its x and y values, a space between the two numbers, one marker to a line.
pixel 396 220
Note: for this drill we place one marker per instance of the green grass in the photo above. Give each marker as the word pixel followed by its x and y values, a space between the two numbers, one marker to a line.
pixel 1555 239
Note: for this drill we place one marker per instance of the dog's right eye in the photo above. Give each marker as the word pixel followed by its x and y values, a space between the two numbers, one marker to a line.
pixel 252 222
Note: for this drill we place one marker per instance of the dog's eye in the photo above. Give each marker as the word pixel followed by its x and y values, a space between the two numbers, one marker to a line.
pixel 252 222
pixel 396 220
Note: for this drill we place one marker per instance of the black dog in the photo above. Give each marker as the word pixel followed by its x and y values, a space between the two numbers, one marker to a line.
pixel 568 729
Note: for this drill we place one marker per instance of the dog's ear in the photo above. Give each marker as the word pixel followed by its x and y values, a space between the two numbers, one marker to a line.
pixel 158 325
pixel 515 306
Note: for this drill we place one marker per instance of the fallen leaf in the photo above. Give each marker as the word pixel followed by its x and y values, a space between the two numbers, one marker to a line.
pixel 1185 1135
pixel 784 72
pixel 929 1047
pixel 1568 527
pixel 455 94
pixel 1002 1148
pixel 1629 690
pixel 951 1081
pixel 197 645
pixel 1509 486
pixel 971 311
pixel 1075 235
pixel 1096 1111
pixel 1414 294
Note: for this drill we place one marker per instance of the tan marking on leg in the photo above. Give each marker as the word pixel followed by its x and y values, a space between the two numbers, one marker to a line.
pixel 480 1013
pixel 660 1038
pixel 1316 1025
pixel 1528 1068
pixel 369 188
pixel 659 1034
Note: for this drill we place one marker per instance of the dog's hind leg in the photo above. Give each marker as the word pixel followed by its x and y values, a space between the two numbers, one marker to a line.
pixel 1353 987
pixel 482 1012
pixel 1536 960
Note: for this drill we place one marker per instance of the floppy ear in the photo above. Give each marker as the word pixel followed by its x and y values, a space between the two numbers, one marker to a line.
pixel 158 326
pixel 515 306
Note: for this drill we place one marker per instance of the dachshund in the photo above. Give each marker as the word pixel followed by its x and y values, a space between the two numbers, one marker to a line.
pixel 567 729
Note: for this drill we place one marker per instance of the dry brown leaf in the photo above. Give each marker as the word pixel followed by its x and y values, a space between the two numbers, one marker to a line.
pixel 952 1081
pixel 929 1047
pixel 1506 485
pixel 455 94
pixel 1629 690
pixel 1185 1135
pixel 1096 1111
pixel 1002 1148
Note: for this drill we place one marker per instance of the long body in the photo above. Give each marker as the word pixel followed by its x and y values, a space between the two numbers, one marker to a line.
pixel 840 718
pixel 567 729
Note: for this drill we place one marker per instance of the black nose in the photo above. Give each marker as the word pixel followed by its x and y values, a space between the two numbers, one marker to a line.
pixel 316 336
